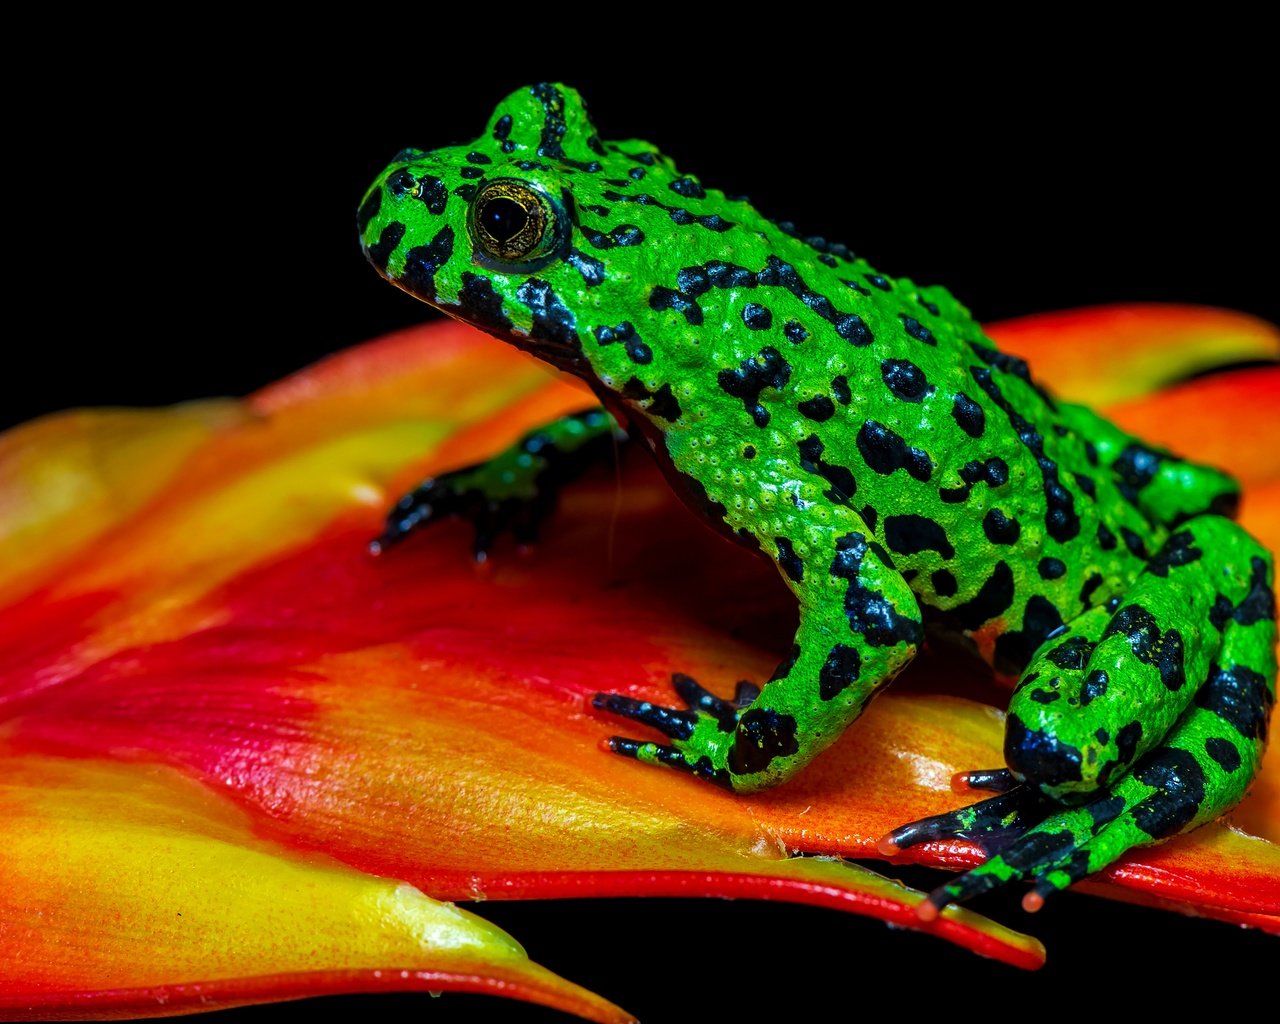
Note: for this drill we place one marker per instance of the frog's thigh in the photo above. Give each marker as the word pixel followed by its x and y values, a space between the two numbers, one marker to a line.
pixel 1095 699
pixel 1195 770
pixel 859 626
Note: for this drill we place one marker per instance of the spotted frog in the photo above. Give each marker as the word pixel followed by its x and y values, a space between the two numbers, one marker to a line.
pixel 908 480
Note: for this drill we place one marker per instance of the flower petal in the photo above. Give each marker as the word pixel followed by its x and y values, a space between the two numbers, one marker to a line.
pixel 1105 354
pixel 356 710
pixel 128 888
pixel 70 478
pixel 228 623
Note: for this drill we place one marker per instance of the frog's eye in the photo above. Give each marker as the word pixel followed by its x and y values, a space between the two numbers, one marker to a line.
pixel 515 225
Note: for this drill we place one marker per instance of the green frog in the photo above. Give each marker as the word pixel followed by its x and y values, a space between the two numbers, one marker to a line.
pixel 909 481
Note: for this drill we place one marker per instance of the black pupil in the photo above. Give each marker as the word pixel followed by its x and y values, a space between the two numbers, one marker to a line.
pixel 503 218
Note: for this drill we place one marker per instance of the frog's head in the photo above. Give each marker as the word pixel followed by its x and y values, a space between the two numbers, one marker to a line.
pixel 545 236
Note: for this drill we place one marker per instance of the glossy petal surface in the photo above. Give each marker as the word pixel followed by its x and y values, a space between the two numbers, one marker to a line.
pixel 191 611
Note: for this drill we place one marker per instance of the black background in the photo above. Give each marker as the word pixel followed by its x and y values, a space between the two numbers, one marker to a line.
pixel 185 228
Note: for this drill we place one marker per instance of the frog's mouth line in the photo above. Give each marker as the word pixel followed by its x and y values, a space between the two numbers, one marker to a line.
pixel 560 354
pixel 567 358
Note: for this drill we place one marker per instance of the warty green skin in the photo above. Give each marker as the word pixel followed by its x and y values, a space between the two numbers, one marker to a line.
pixel 907 479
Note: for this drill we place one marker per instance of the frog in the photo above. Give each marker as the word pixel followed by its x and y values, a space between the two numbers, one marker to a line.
pixel 910 482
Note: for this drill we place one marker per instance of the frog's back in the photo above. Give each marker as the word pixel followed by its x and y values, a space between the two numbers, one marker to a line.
pixel 1009 512
pixel 969 476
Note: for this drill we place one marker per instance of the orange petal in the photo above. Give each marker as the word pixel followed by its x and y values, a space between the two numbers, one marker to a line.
pixel 1106 354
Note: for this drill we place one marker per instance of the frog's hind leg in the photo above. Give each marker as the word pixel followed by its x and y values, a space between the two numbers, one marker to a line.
pixel 515 490
pixel 1192 646
pixel 1164 488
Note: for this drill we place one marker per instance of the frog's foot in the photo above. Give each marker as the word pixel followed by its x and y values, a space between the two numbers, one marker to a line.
pixel 465 493
pixel 993 824
pixel 1166 793
pixel 514 491
pixel 703 729
pixel 1022 837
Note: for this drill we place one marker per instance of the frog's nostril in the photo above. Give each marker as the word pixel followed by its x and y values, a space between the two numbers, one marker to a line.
pixel 1039 758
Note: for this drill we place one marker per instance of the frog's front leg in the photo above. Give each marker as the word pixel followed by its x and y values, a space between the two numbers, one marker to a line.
pixel 859 625
pixel 1137 723
pixel 515 490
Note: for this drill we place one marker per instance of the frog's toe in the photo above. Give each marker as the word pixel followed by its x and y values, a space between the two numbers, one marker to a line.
pixel 699 698
pixel 1021 836
pixel 677 723
pixel 512 492
pixel 989 780
pixel 426 502
pixel 1052 861
pixel 1053 856
pixel 671 722
pixel 461 494
pixel 465 494
pixel 493 519
pixel 673 757
pixel 992 824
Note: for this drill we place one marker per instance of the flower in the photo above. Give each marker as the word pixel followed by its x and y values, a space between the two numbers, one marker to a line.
pixel 246 761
